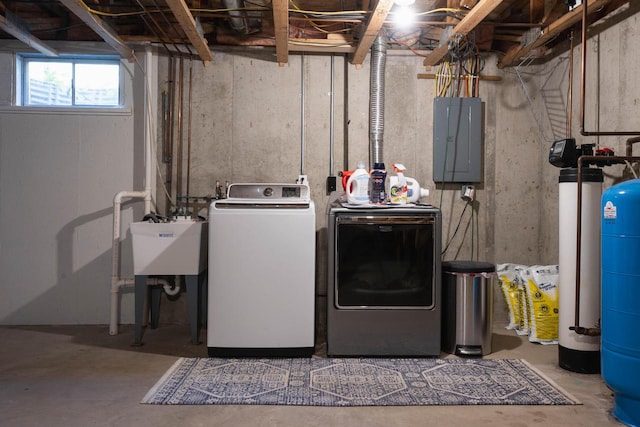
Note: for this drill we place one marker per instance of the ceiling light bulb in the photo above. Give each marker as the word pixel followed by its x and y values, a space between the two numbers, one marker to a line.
pixel 403 17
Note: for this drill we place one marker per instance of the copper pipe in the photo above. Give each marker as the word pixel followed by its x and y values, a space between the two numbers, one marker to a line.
pixel 580 330
pixel 570 97
pixel 583 84
pixel 629 145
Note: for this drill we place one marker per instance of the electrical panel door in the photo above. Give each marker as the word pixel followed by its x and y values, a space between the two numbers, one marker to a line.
pixel 457 140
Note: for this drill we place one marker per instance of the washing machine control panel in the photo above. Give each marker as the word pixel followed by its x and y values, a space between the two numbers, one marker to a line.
pixel 266 192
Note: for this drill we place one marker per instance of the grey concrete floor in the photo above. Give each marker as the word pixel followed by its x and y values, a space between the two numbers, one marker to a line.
pixel 82 376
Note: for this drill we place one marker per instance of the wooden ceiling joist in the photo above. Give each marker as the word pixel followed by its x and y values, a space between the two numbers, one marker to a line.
pixel 281 28
pixel 536 11
pixel 336 43
pixel 26 37
pixel 188 23
pixel 468 23
pixel 516 54
pixel 371 31
pixel 99 27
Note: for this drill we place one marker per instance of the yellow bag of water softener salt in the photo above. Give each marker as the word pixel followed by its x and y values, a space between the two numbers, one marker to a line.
pixel 542 295
pixel 509 290
pixel 513 291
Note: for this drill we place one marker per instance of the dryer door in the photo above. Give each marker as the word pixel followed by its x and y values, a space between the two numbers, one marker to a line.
pixel 385 262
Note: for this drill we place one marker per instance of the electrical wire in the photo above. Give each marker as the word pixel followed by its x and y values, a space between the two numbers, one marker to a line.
pixel 459 77
pixel 308 15
pixel 457 228
pixel 321 27
pixel 477 245
pixel 633 171
pixel 473 217
pixel 448 11
pixel 164 10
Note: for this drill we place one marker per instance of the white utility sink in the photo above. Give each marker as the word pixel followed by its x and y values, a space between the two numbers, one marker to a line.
pixel 169 248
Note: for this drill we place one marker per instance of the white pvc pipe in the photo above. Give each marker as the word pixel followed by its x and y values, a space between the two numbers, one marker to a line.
pixel 116 281
pixel 148 113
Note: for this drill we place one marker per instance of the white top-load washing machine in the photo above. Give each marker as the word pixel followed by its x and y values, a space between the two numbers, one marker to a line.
pixel 262 271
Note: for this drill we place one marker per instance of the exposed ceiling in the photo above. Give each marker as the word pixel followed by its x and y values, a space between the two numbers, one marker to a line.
pixel 514 28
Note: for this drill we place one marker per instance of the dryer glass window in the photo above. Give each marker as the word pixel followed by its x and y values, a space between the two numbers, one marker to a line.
pixel 385 262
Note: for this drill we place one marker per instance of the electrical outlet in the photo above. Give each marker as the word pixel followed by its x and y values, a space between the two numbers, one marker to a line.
pixel 331 184
pixel 467 192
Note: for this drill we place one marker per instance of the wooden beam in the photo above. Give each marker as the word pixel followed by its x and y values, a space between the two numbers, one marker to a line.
pixel 549 32
pixel 468 23
pixel 334 43
pixel 281 29
pixel 370 32
pixel 536 11
pixel 550 10
pixel 96 24
pixel 26 37
pixel 507 38
pixel 188 23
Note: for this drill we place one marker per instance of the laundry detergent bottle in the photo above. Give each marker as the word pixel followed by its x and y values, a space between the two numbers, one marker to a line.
pixel 414 191
pixel 398 186
pixel 357 188
pixel 377 191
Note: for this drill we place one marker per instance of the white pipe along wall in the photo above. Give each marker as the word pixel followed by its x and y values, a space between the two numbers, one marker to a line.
pixel 116 281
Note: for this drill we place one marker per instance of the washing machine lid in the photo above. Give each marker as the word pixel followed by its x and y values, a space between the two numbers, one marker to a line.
pixel 266 195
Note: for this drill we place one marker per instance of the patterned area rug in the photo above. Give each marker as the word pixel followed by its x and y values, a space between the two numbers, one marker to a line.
pixel 355 382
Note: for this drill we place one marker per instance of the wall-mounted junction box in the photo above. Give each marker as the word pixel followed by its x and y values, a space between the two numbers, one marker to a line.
pixel 457 140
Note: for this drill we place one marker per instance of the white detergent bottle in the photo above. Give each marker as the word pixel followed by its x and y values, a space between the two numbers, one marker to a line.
pixel 398 186
pixel 357 189
pixel 414 192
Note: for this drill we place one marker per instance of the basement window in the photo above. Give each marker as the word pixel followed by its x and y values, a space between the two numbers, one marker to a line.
pixel 79 81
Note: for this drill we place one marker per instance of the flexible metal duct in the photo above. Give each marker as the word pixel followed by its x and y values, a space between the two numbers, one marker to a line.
pixel 238 21
pixel 243 21
pixel 376 107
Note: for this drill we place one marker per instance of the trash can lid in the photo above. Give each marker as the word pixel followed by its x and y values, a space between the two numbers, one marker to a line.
pixel 468 267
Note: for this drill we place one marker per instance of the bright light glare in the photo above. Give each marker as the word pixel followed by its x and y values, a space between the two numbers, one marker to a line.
pixel 404 17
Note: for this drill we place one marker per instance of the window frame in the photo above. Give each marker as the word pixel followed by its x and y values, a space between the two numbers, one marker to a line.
pixel 22 86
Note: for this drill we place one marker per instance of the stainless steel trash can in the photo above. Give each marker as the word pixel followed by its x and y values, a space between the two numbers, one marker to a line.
pixel 467 307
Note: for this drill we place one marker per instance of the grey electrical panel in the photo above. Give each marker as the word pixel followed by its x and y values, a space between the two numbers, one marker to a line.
pixel 457 140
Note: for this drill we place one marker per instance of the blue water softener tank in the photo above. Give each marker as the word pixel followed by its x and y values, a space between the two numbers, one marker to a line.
pixel 621 298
